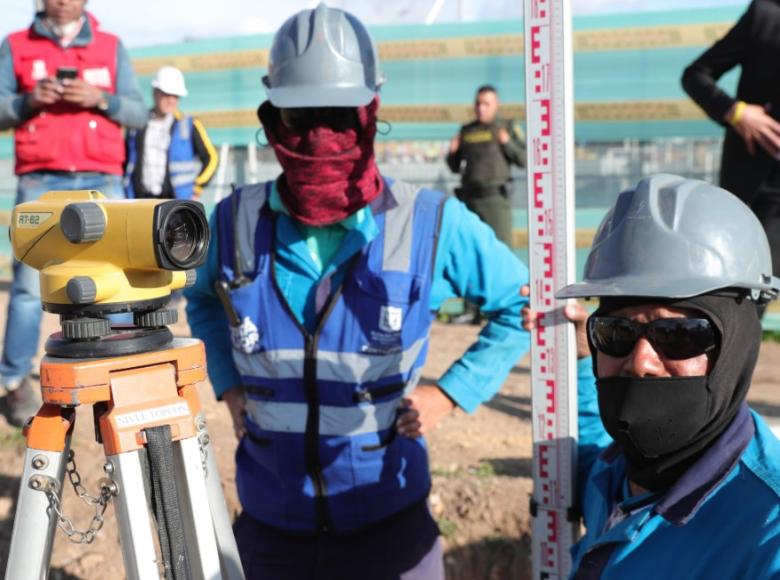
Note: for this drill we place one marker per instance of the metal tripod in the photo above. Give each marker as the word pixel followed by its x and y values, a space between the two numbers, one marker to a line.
pixel 140 401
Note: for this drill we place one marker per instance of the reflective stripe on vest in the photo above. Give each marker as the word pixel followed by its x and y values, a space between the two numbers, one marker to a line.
pixel 183 165
pixel 345 367
pixel 343 421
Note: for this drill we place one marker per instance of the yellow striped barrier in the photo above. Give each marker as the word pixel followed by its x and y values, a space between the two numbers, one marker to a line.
pixel 600 40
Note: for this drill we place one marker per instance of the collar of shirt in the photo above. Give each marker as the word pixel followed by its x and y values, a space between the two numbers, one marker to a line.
pixel 82 37
pixel 327 247
pixel 682 501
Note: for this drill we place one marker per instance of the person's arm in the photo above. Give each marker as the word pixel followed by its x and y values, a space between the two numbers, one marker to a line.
pixel 593 439
pixel 513 145
pixel 471 263
pixel 12 104
pixel 126 106
pixel 700 78
pixel 455 156
pixel 205 151
pixel 208 321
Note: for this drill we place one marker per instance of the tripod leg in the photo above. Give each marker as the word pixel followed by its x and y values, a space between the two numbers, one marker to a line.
pixel 48 445
pixel 132 514
pixel 230 562
pixel 35 522
pixel 193 496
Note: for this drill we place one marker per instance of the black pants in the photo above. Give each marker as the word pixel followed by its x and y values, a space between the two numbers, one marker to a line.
pixel 766 206
pixel 767 209
pixel 405 546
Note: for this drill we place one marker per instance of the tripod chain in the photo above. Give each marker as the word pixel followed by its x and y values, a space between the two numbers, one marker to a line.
pixel 203 441
pixel 108 489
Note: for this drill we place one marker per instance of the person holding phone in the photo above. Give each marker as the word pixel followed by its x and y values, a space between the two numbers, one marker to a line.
pixel 66 88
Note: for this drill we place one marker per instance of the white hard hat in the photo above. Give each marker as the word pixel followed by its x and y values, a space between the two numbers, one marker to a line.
pixel 170 80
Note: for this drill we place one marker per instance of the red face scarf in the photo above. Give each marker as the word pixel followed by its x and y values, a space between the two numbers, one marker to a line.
pixel 329 174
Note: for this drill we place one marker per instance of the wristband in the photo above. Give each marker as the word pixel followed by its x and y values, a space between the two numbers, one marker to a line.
pixel 739 108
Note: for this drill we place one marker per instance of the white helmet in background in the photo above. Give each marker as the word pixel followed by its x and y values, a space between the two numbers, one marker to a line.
pixel 170 80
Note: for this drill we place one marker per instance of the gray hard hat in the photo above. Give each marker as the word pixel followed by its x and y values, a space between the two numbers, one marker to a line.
pixel 322 58
pixel 672 237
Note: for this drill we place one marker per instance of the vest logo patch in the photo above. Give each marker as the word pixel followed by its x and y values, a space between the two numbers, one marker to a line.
pixel 390 318
pixel 245 337
pixel 38 71
pixel 98 77
pixel 478 137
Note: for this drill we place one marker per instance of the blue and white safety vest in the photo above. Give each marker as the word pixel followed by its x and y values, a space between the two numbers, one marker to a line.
pixel 183 163
pixel 321 451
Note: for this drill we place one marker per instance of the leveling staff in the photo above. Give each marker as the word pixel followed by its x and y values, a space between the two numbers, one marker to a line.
pixel 66 87
pixel 331 276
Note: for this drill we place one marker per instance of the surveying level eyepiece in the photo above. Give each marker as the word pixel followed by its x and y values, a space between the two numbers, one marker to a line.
pixel 98 256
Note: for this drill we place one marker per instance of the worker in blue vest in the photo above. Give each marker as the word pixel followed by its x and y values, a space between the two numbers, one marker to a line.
pixel 172 156
pixel 330 277
pixel 679 478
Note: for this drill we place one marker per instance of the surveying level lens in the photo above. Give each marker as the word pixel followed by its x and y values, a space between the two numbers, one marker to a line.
pixel 183 236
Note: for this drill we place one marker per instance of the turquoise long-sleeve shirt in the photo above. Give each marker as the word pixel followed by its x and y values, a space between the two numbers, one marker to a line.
pixel 720 519
pixel 470 263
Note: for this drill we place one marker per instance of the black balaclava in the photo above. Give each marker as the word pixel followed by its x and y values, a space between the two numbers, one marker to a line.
pixel 665 424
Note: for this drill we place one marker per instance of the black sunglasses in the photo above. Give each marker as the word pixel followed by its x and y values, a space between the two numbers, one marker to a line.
pixel 337 118
pixel 674 338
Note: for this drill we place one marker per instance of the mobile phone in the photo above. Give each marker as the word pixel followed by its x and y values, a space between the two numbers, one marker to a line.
pixel 67 72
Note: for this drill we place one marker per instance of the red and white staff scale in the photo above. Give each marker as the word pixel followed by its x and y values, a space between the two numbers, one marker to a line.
pixel 550 135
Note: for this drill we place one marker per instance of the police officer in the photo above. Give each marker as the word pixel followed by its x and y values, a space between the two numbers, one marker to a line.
pixel 482 153
pixel 679 477
pixel 331 276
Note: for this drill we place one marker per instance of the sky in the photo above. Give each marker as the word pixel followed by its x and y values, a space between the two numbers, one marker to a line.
pixel 148 22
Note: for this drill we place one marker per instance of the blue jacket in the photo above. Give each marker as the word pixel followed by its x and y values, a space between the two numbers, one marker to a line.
pixel 721 519
pixel 468 261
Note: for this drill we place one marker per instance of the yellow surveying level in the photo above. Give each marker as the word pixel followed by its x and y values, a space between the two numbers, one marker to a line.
pixel 99 257
pixel 104 255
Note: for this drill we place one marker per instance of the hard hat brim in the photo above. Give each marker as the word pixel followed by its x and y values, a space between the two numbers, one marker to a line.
pixel 310 97
pixel 175 93
pixel 631 286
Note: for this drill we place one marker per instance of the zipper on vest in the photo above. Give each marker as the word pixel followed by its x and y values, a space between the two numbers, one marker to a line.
pixel 312 436
pixel 311 439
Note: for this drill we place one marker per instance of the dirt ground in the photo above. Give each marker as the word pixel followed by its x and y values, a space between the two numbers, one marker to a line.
pixel 481 467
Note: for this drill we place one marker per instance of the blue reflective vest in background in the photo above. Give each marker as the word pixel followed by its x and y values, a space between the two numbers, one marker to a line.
pixel 321 452
pixel 183 163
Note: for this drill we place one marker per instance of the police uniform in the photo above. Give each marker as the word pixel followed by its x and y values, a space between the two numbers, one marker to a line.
pixel 484 164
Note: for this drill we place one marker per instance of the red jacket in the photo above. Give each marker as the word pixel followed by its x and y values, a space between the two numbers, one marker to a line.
pixel 62 136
